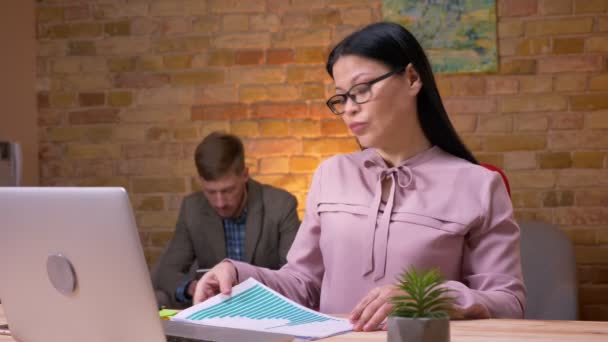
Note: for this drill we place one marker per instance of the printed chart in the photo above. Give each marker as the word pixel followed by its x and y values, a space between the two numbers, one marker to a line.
pixel 256 307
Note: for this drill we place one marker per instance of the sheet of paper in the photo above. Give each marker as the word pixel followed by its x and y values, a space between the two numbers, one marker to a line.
pixel 254 306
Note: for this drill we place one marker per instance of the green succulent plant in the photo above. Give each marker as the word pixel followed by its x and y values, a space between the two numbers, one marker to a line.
pixel 423 297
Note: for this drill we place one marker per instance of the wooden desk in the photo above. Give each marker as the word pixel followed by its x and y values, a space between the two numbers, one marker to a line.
pixel 501 330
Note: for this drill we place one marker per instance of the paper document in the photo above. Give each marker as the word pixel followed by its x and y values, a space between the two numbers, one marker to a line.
pixel 254 306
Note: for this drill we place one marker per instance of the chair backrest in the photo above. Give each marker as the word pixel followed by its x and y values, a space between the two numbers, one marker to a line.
pixel 549 270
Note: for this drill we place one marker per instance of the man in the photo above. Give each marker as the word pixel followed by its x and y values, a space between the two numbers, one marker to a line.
pixel 232 217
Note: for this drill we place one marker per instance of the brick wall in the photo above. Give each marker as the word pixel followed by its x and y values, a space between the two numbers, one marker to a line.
pixel 127 88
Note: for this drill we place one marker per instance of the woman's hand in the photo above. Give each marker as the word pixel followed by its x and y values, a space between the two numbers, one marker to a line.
pixel 373 309
pixel 220 278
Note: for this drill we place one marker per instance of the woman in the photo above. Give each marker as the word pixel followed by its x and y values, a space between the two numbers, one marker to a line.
pixel 414 196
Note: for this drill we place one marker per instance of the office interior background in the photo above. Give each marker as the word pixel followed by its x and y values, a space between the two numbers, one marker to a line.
pixel 119 93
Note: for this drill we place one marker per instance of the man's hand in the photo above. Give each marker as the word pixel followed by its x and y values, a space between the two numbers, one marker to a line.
pixel 191 288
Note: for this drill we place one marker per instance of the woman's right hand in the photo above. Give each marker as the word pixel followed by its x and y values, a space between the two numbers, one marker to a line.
pixel 219 279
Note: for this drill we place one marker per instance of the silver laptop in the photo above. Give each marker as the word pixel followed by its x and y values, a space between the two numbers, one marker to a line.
pixel 72 269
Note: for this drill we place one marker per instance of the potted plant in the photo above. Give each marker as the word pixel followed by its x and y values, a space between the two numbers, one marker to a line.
pixel 421 314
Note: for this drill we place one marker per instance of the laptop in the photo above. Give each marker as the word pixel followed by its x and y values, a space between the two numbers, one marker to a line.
pixel 72 269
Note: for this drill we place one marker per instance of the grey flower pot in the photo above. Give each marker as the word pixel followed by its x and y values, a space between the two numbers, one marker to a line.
pixel 402 329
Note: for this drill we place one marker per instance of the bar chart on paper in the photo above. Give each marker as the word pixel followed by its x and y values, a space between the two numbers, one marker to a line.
pixel 254 306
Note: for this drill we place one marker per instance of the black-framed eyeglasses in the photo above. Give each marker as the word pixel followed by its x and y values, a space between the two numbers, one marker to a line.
pixel 359 93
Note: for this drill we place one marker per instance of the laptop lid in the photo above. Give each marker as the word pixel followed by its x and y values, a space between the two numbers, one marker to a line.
pixel 72 267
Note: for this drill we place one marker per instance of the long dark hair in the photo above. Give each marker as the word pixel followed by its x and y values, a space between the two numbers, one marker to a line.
pixel 396 47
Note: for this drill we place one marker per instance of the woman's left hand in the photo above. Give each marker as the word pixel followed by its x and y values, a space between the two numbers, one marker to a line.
pixel 373 309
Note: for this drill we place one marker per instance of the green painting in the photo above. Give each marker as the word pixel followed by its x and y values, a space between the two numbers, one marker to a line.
pixel 457 35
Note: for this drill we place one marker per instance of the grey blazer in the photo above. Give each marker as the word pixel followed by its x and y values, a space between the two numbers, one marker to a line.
pixel 271 226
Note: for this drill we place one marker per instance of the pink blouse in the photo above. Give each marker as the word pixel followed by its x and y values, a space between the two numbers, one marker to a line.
pixel 441 211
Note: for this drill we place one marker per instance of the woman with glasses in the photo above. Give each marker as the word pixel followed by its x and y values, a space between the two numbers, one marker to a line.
pixel 414 196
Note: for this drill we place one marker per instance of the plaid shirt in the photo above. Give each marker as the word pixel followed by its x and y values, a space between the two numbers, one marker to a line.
pixel 234 231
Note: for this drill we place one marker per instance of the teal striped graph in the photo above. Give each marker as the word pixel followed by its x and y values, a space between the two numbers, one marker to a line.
pixel 254 303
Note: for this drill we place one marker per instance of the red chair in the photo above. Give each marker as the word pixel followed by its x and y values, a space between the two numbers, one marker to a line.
pixel 502 174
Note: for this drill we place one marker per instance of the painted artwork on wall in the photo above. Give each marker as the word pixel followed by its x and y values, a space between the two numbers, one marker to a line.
pixel 459 36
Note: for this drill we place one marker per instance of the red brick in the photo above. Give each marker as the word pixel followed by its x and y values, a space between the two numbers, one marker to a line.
pixel 597 44
pixel 468 86
pixel 325 18
pixel 256 40
pixel 531 122
pixel 214 94
pixel 153 150
pixel 274 128
pixel 91 99
pixel 301 38
pixel 287 110
pixel 588 160
pixel 272 147
pixel 517 66
pixel 570 82
pixel 140 80
pixel 570 63
pixel 568 45
pixel 302 164
pixel 235 23
pixel 464 122
pixel 221 57
pixel 535 84
pixel 181 44
pixel 589 101
pixel 517 8
pixel 279 56
pixel 311 55
pixel 81 48
pixel 238 6
pixel 150 185
pixel 509 29
pixel 567 121
pixel 514 143
pixel 551 7
pixel 304 128
pixel 555 160
pixel 295 20
pixel 249 57
pixel 325 146
pixel 219 112
pixel 274 165
pixel 264 22
pixel 558 26
pixel 534 46
pixel 471 105
pixel 312 91
pixel 202 77
pixel 50 117
pixel 495 123
pixel 357 16
pixel 305 74
pixel 501 85
pixel 290 183
pixel 78 12
pixel 94 116
pixel 533 103
pixel 334 128
pixel 283 92
pixel 317 110
pixel 586 6
pixel 42 100
pixel 599 82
